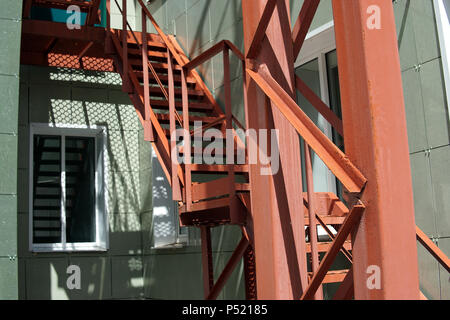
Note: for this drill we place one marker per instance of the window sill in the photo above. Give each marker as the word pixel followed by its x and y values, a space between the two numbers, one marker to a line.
pixel 68 249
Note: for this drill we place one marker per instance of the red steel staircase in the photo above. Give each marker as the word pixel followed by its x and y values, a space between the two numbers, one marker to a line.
pixel 169 94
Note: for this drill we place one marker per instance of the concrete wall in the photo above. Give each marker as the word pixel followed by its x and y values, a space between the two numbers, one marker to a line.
pixel 428 129
pixel 10 24
pixel 62 96
pixel 132 268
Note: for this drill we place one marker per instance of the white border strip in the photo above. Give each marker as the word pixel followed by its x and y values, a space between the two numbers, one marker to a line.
pixel 442 11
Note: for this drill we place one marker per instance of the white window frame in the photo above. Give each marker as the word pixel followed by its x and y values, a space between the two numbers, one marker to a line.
pixel 443 26
pixel 101 206
pixel 318 43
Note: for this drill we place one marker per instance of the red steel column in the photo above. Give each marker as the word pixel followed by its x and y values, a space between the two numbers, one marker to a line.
pixel 376 142
pixel 276 201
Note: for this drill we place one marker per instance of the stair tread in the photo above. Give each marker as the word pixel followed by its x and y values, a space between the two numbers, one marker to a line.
pixel 325 246
pixel 151 53
pixel 150 43
pixel 156 65
pixel 333 276
pixel 210 168
pixel 164 77
pixel 156 90
pixel 193 105
pixel 206 205
pixel 327 220
pixel 166 117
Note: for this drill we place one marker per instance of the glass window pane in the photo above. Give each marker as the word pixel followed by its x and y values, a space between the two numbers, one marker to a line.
pixel 46 189
pixel 310 74
pixel 334 92
pixel 80 189
pixel 335 103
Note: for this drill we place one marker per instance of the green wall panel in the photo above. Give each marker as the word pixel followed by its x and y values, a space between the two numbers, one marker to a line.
pixel 8 279
pixel 8 226
pixel 73 97
pixel 9 91
pixel 8 169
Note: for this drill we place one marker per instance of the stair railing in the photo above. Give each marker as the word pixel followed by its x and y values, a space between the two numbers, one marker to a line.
pixel 223 47
pixel 155 133
pixel 315 140
pixel 433 249
pixel 146 63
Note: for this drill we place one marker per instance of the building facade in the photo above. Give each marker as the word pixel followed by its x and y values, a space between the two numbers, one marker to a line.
pixel 138 249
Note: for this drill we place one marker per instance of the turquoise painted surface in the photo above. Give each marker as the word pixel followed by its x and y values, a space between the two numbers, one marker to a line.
pixel 58 15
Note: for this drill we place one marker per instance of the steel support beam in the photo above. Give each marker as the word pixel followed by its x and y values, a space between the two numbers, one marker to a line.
pixel 277 208
pixel 303 23
pixel 376 142
pixel 229 268
pixel 345 290
pixel 207 261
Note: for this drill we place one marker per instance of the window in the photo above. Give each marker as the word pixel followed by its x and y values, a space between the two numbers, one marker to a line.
pixel 67 196
pixel 317 67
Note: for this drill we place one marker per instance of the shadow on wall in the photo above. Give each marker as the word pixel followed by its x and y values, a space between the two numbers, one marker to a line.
pixel 73 97
pixel 101 277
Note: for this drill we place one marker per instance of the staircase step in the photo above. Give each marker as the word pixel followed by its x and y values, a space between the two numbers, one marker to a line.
pixel 325 246
pixel 193 106
pixel 215 188
pixel 328 220
pixel 211 168
pixel 164 78
pixel 152 54
pixel 334 276
pixel 219 152
pixel 213 212
pixel 152 43
pixel 156 91
pixel 328 204
pixel 165 118
pixel 159 67
pixel 167 131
